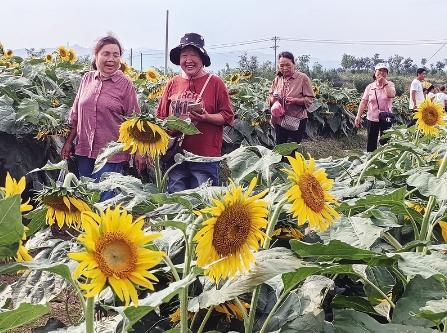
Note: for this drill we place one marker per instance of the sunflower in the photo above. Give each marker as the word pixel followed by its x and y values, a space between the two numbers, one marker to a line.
pixel 428 115
pixel 308 193
pixel 14 187
pixel 231 233
pixel 288 232
pixel 22 252
pixel 175 316
pixel 63 52
pixel 71 56
pixel 48 58
pixel 143 136
pixel 235 78
pixel 232 310
pixel 64 209
pixel 115 253
pixel 152 75
pixel 246 75
pixel 443 226
pixel 8 53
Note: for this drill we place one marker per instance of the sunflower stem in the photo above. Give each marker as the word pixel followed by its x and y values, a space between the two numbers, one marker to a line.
pixel 370 161
pixel 425 233
pixel 273 311
pixel 90 316
pixel 186 269
pixel 70 177
pixel 169 263
pixel 158 178
pixel 270 227
pixel 205 319
pixel 164 179
pixel 242 310
pixel 385 297
pixel 392 241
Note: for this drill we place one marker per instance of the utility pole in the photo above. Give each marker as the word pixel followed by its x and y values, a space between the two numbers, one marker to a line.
pixel 131 56
pixel 275 47
pixel 166 42
pixel 141 61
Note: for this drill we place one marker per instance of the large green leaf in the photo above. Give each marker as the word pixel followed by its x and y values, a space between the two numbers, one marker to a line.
pixel 436 311
pixel 302 311
pixel 56 268
pixel 24 314
pixel 417 293
pixel 11 228
pixel 285 149
pixel 412 264
pixel 109 150
pixel 153 300
pixel 252 160
pixel 350 321
pixel 269 263
pixel 382 278
pixel 357 231
pixel 429 184
pixel 186 127
pixel 353 302
pixel 334 250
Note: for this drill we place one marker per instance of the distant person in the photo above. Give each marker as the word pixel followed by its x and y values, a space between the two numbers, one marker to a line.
pixel 104 99
pixel 202 97
pixel 378 97
pixel 441 97
pixel 293 90
pixel 430 92
pixel 417 90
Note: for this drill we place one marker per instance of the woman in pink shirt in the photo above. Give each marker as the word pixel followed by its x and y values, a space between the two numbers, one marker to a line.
pixel 104 99
pixel 378 96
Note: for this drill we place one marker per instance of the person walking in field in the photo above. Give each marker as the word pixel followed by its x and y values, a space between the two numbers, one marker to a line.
pixel 378 97
pixel 202 97
pixel 292 91
pixel 417 90
pixel 441 97
pixel 105 98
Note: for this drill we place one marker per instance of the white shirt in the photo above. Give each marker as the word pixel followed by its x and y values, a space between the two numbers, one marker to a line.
pixel 440 98
pixel 416 85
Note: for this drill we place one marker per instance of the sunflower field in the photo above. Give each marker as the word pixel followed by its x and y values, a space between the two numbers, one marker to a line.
pixel 287 243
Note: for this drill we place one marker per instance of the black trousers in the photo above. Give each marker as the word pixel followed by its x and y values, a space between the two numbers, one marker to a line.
pixel 283 135
pixel 374 129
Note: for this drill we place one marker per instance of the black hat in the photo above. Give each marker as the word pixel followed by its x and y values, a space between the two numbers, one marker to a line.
pixel 190 39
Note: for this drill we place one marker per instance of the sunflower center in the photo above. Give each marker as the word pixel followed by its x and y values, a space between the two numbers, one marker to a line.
pixel 231 229
pixel 146 136
pixel 115 255
pixel 312 192
pixel 57 203
pixel 430 116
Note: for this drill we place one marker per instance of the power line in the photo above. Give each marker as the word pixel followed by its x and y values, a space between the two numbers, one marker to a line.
pixel 367 42
pixel 442 46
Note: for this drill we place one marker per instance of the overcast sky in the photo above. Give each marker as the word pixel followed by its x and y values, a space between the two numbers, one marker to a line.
pixel 141 23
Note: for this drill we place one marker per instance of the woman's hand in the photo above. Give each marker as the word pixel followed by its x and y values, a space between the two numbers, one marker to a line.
pixel 140 162
pixel 201 115
pixel 358 121
pixel 66 150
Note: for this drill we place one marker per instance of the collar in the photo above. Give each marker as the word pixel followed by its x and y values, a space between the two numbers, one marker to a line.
pixel 114 77
pixel 294 76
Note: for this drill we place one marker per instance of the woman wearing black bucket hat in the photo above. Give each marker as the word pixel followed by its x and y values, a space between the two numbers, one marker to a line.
pixel 203 98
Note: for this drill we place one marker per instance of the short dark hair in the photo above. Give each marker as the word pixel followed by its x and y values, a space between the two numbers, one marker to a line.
pixel 420 71
pixel 288 55
pixel 103 42
pixel 442 88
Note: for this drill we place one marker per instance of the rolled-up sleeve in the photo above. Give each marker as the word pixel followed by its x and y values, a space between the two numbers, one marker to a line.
pixel 163 105
pixel 308 93
pixel 224 106
pixel 131 102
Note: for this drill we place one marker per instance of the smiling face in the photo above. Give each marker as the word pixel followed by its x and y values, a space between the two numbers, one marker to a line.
pixel 108 59
pixel 190 61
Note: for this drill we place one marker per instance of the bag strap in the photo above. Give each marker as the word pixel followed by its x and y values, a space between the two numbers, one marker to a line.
pixel 204 86
pixel 377 100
